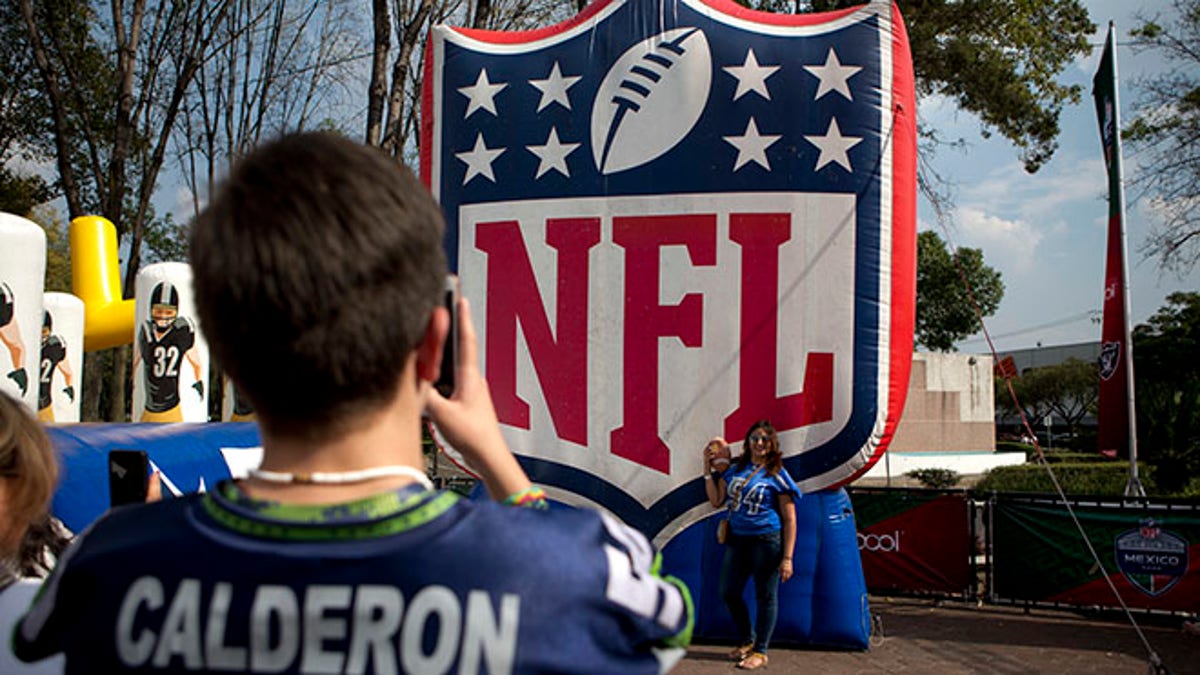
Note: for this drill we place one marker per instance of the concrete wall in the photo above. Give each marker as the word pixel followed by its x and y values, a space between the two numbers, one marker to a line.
pixel 950 406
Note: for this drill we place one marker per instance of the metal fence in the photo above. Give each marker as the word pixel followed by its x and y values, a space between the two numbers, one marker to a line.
pixel 1027 549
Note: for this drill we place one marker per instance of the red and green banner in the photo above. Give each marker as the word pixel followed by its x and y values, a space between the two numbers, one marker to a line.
pixel 1150 553
pixel 1115 365
pixel 914 540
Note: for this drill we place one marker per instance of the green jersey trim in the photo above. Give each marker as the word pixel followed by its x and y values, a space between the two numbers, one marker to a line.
pixel 373 517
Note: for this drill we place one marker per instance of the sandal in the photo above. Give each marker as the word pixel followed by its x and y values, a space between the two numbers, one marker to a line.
pixel 753 661
pixel 740 653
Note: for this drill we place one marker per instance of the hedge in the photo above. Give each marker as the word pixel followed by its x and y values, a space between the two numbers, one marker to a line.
pixel 1062 456
pixel 1079 478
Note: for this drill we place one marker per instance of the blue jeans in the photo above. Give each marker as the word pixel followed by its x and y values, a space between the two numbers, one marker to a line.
pixel 758 556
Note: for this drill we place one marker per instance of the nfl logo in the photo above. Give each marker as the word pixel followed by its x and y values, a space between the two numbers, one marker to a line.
pixel 674 218
pixel 1149 529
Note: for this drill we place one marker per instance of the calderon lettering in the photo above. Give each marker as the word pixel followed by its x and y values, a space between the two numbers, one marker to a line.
pixel 324 629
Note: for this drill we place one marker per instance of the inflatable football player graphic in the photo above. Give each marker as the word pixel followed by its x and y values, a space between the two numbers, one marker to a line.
pixel 164 341
pixel 54 362
pixel 10 337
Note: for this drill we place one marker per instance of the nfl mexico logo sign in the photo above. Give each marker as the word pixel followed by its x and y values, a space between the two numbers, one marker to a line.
pixel 1151 558
pixel 674 218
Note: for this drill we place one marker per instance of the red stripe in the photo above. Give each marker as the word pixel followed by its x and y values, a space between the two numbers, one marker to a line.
pixel 904 236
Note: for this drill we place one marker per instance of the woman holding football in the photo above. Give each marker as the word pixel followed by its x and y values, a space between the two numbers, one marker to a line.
pixel 762 532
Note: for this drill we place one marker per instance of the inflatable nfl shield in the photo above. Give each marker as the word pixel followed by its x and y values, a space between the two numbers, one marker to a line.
pixel 674 218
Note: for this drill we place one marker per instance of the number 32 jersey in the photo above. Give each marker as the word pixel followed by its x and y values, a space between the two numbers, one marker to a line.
pixel 161 359
pixel 408 581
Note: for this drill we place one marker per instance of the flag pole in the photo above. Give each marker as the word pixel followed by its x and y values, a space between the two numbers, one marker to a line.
pixel 1133 487
pixel 1116 340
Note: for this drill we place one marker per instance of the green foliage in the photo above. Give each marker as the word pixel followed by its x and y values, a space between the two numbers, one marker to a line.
pixel 1168 390
pixel 1013 446
pixel 1076 478
pixel 935 478
pixel 945 313
pixel 19 194
pixel 70 103
pixel 997 59
pixel 1163 135
pixel 165 240
pixel 58 249
pixel 1068 457
pixel 1068 389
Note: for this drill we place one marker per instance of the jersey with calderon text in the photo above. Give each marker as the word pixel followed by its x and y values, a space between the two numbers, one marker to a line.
pixel 162 357
pixel 754 498
pixel 408 581
pixel 53 352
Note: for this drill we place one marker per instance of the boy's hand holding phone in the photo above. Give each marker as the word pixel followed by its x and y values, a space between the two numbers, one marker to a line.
pixel 467 418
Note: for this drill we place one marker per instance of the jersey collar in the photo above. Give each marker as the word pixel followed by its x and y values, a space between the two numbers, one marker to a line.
pixel 379 515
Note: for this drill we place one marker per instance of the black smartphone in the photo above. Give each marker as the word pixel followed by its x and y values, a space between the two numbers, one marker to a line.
pixel 445 382
pixel 128 475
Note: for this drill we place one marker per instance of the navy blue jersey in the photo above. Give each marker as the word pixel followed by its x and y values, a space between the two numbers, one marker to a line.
pixel 406 581
pixel 162 355
pixel 54 350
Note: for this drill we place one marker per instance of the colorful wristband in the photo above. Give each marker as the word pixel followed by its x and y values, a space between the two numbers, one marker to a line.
pixel 531 497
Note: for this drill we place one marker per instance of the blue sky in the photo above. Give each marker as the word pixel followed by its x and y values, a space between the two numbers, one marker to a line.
pixel 1045 232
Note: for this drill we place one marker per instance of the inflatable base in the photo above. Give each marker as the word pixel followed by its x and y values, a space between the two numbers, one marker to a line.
pixel 823 604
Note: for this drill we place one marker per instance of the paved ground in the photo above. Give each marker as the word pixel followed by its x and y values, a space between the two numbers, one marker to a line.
pixel 921 636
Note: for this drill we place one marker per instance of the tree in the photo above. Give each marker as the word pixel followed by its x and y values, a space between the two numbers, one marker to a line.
pixel 1074 388
pixel 393 99
pixel 275 65
pixel 1030 396
pixel 946 311
pixel 1164 135
pixel 1168 390
pixel 19 194
pixel 1068 389
pixel 23 114
pixel 113 78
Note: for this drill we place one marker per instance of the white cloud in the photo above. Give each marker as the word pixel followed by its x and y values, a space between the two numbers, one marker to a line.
pixel 1006 243
pixel 1044 198
pixel 183 204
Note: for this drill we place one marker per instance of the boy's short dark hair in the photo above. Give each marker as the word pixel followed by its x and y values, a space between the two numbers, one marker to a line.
pixel 316 266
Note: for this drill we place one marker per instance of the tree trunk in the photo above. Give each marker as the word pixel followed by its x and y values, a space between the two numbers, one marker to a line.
pixel 393 142
pixel 377 90
pixel 66 171
pixel 118 386
pixel 94 366
pixel 483 12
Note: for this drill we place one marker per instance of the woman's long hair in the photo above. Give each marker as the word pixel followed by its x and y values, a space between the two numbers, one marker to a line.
pixel 29 471
pixel 774 463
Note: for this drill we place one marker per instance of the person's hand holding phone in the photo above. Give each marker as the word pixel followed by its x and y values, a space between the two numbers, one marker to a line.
pixel 446 374
pixel 467 418
pixel 127 474
pixel 130 480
